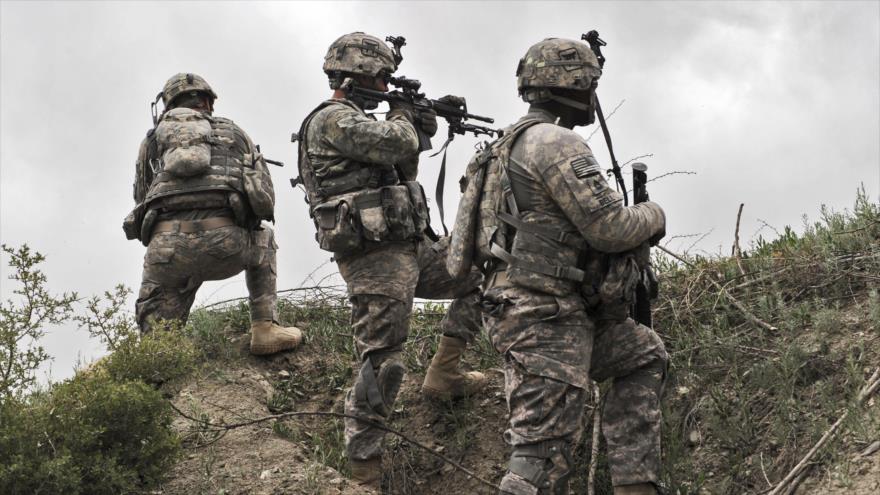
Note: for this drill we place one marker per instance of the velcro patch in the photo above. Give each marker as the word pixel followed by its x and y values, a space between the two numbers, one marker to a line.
pixel 585 166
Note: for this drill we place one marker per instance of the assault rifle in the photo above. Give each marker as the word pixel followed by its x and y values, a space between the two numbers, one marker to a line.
pixel 647 288
pixel 452 108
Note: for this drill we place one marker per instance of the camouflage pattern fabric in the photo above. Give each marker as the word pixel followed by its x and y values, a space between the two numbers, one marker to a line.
pixel 552 349
pixel 176 264
pixel 381 285
pixel 342 138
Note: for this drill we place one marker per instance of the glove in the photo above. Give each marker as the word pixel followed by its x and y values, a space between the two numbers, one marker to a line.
pixel 401 109
pixel 655 239
pixel 427 121
pixel 455 101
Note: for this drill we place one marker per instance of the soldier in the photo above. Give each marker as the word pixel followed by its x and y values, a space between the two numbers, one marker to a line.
pixel 541 220
pixel 202 189
pixel 360 177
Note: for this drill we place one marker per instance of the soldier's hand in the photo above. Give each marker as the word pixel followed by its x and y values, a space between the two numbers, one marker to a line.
pixel 427 121
pixel 456 101
pixel 401 109
pixel 655 239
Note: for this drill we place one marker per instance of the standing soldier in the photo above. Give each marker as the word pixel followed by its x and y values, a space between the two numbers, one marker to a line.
pixel 540 219
pixel 202 189
pixel 360 177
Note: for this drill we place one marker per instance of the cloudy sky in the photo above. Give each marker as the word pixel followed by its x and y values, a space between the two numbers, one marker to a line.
pixel 776 105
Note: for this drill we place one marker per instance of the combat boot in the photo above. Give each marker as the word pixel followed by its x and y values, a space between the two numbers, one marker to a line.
pixel 443 379
pixel 637 489
pixel 268 337
pixel 367 473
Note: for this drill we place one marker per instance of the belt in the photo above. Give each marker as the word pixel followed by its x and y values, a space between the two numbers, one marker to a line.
pixel 498 278
pixel 192 226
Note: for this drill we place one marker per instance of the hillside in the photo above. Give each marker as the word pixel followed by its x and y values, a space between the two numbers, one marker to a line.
pixel 768 347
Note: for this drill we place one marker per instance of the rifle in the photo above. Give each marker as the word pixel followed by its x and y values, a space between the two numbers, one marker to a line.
pixel 648 286
pixel 452 108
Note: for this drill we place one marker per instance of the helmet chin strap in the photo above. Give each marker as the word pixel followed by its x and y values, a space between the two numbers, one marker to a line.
pixel 569 102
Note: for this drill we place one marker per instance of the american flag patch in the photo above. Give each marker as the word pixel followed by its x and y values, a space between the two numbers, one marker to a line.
pixel 585 166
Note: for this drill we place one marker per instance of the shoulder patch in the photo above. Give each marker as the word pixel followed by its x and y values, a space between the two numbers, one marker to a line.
pixel 585 166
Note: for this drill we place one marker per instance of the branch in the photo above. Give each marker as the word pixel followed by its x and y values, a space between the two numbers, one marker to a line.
pixel 674 172
pixel 763 324
pixel 735 251
pixel 607 118
pixel 870 387
pixel 224 427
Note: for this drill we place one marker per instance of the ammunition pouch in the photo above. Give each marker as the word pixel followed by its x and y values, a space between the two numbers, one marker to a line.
pixel 132 223
pixel 150 218
pixel 390 213
pixel 258 187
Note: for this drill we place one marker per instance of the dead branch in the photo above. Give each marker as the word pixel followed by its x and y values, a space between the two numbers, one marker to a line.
pixel 607 118
pixel 735 251
pixel 674 172
pixel 225 427
pixel 763 324
pixel 594 447
pixel 870 387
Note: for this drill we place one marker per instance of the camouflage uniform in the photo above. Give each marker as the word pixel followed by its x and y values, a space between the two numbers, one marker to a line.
pixel 560 252
pixel 382 276
pixel 201 227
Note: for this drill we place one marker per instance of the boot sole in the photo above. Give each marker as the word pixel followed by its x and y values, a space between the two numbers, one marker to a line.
pixel 264 350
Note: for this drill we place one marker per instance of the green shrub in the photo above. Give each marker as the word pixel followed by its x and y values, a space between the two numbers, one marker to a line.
pixel 157 357
pixel 90 434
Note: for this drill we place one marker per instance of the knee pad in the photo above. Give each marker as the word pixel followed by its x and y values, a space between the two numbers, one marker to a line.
pixel 545 466
pixel 379 390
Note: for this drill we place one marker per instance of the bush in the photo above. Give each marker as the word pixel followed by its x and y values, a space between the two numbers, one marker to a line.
pixel 155 358
pixel 90 434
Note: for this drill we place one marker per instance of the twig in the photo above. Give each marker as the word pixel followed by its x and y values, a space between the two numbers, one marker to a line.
pixel 607 118
pixel 594 447
pixel 223 427
pixel 647 155
pixel 735 251
pixel 674 172
pixel 866 227
pixel 763 324
pixel 870 387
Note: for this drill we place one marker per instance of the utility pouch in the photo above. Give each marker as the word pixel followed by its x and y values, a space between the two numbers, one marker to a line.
pixel 132 223
pixel 185 135
pixel 621 279
pixel 536 270
pixel 398 210
pixel 147 226
pixel 258 186
pixel 337 230
pixel 421 218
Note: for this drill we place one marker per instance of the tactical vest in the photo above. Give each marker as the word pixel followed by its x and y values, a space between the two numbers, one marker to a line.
pixel 365 203
pixel 230 154
pixel 537 250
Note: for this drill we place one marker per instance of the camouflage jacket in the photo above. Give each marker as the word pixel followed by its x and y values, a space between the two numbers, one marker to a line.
pixel 341 140
pixel 558 187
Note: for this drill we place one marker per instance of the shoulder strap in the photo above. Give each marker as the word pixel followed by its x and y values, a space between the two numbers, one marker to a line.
pixel 306 172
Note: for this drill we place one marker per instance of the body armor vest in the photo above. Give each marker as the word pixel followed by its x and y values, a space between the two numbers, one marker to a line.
pixel 363 203
pixel 540 250
pixel 230 152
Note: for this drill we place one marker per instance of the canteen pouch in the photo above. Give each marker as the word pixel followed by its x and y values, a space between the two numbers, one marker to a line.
pixel 337 230
pixel 421 217
pixel 621 279
pixel 132 223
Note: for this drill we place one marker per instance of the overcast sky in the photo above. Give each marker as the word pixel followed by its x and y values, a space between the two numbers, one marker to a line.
pixel 776 105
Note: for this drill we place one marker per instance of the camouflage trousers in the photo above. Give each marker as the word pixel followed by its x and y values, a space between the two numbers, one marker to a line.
pixel 176 264
pixel 552 349
pixel 382 284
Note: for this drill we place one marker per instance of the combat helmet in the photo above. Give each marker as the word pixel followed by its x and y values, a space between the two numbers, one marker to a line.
pixel 183 83
pixel 556 63
pixel 358 53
